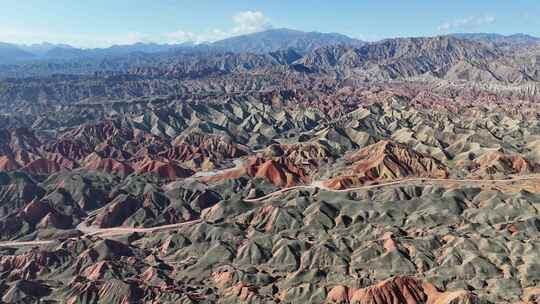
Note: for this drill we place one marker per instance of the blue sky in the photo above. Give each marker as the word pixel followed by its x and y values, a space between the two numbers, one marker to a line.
pixel 99 23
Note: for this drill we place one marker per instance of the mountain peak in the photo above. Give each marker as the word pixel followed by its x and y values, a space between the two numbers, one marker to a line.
pixel 283 38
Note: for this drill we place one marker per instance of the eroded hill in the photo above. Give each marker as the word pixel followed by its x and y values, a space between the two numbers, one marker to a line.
pixel 379 193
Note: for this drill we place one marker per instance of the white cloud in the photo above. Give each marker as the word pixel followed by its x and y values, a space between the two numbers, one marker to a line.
pixel 245 22
pixel 466 23
pixel 128 38
pixel 250 22
pixel 182 36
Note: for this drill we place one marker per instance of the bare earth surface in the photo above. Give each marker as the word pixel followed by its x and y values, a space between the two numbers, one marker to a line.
pixel 404 171
pixel 107 232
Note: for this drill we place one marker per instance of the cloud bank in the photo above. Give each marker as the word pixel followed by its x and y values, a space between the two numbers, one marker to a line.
pixel 250 22
pixel 467 23
pixel 244 22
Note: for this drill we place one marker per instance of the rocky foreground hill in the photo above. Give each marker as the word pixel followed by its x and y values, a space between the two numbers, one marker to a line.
pixel 397 195
pixel 404 171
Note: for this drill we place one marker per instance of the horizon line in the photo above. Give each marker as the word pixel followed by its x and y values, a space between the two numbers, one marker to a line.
pixel 69 45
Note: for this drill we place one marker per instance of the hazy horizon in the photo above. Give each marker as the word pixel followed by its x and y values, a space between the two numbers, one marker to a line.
pixel 105 23
pixel 44 43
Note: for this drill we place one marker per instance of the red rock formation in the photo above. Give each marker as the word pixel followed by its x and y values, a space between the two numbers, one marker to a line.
pixel 242 292
pixel 42 166
pixel 386 161
pixel 69 148
pixel 230 174
pixel 344 182
pixel 41 258
pixel 7 163
pixel 389 243
pixel 201 148
pixel 494 162
pixel 81 289
pixel 399 290
pixel 94 133
pixel 274 172
pixel 185 153
pixel 97 271
pixel 109 165
pixel 223 279
pixel 63 161
pixel 19 145
pixel 389 160
pixel 339 294
pixel 20 139
pixel 108 150
pixel 281 165
pixel 162 169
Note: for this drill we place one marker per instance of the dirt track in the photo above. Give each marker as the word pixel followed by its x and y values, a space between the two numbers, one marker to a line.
pixel 101 232
pixel 319 184
pixel 107 232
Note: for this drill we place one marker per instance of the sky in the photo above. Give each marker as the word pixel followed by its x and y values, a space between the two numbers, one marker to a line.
pixel 101 23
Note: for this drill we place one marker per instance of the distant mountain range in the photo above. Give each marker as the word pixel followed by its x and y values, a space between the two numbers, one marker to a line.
pixel 13 54
pixel 258 43
pixel 442 60
pixel 10 53
pixel 476 56
pixel 262 42
pixel 43 48
pixel 498 40
pixel 281 39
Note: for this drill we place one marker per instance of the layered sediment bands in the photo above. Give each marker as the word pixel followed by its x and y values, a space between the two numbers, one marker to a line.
pixel 70 149
pixel 399 290
pixel 42 166
pixel 446 62
pixel 246 196
pixel 165 170
pixel 204 151
pixel 496 162
pixel 385 161
pixel 7 163
pixel 285 165
pixel 96 163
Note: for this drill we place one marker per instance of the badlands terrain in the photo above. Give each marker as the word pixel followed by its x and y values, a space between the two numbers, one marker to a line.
pixel 313 169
